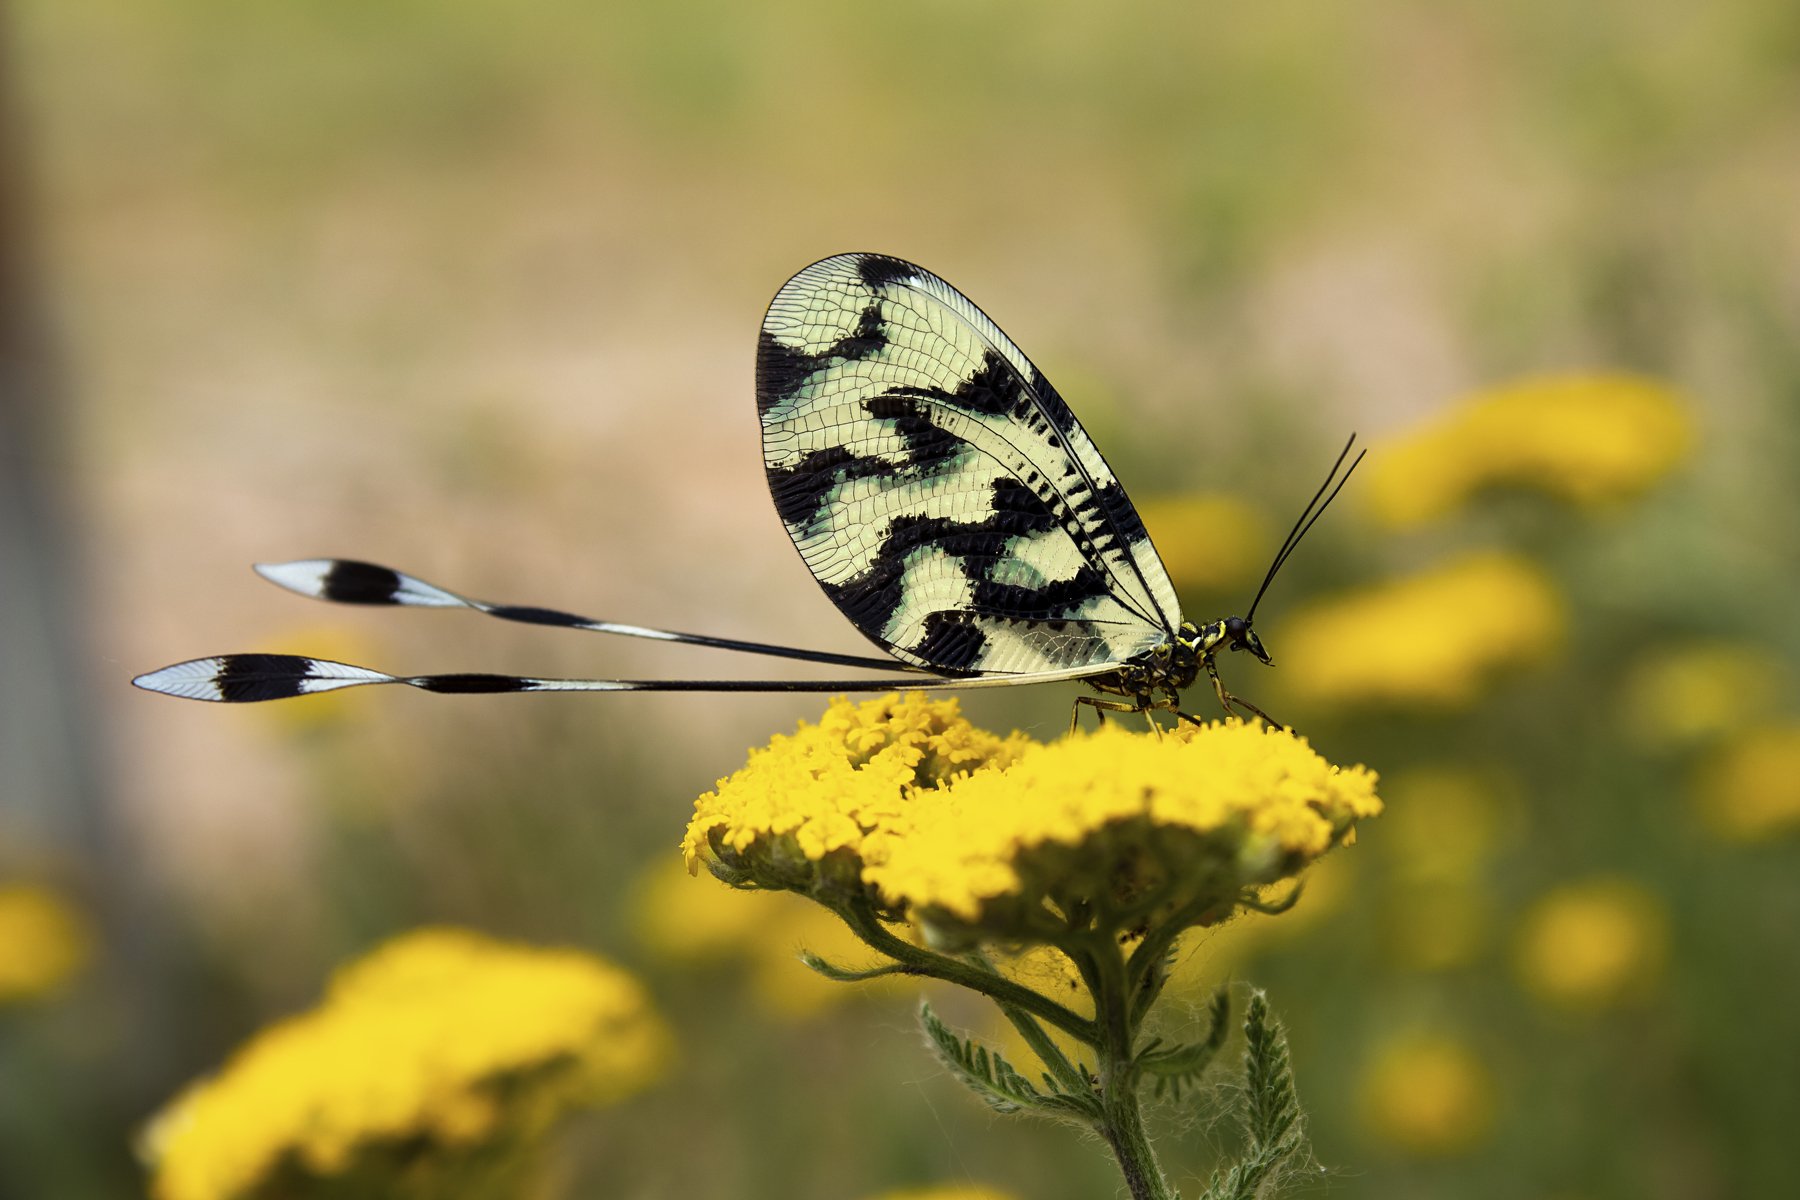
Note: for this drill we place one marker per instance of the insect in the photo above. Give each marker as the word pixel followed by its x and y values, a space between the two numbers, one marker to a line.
pixel 938 488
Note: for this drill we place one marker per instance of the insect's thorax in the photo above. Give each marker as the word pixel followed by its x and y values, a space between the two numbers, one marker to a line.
pixel 1167 668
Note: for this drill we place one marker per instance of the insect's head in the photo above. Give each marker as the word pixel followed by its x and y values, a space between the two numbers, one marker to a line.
pixel 1237 629
pixel 1240 636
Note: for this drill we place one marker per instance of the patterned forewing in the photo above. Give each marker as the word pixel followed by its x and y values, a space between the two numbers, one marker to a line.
pixel 938 487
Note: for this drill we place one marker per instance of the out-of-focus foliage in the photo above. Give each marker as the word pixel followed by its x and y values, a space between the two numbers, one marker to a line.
pixel 476 293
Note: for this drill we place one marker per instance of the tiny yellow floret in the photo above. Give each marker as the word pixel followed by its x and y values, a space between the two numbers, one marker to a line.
pixel 1589 439
pixel 440 1043
pixel 1434 639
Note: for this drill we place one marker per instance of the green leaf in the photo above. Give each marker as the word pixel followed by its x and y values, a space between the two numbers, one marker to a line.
pixel 991 1077
pixel 839 974
pixel 1271 1120
pixel 1177 1067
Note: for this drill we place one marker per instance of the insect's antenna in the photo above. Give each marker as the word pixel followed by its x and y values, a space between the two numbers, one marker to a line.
pixel 1311 513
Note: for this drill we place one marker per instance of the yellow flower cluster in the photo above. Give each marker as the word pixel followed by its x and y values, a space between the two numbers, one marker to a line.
pixel 1590 945
pixel 1120 827
pixel 43 942
pixel 825 788
pixel 1137 824
pixel 959 1191
pixel 1587 439
pixel 441 1042
pixel 1432 639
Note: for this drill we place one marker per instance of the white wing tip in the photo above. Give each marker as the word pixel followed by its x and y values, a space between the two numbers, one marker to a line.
pixel 196 679
pixel 304 575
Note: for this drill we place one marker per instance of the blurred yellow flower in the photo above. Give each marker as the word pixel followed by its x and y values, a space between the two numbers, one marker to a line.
pixel 1750 789
pixel 1006 837
pixel 1585 438
pixel 1699 691
pixel 1208 541
pixel 1433 639
pixel 1587 946
pixel 43 942
pixel 692 921
pixel 440 1045
pixel 682 920
pixel 1427 1094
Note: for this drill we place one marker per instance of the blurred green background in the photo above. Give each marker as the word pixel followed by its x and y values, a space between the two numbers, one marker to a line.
pixel 473 290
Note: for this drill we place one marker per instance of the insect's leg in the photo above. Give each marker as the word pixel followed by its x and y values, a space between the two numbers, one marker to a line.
pixel 1150 706
pixel 1219 688
pixel 1227 700
pixel 1245 704
pixel 1172 702
pixel 1101 707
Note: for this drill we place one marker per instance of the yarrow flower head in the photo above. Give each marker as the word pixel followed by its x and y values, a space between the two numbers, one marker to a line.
pixel 1116 828
pixel 984 839
pixel 43 943
pixel 1053 879
pixel 1428 640
pixel 440 1050
pixel 797 815
pixel 1589 439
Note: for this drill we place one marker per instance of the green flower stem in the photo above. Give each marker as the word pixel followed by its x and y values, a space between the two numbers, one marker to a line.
pixel 861 918
pixel 1122 1114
